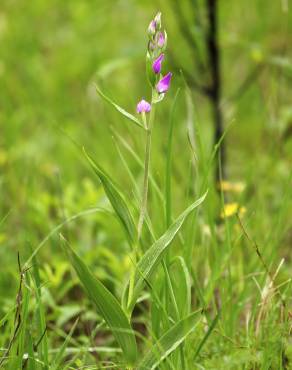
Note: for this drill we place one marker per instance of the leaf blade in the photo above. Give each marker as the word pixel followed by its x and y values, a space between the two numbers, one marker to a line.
pixel 168 342
pixel 115 197
pixel 168 190
pixel 107 306
pixel 182 286
pixel 121 110
pixel 206 336
pixel 153 256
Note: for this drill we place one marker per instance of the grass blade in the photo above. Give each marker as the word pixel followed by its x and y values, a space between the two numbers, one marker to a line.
pixel 31 361
pixel 150 260
pixel 169 342
pixel 40 315
pixel 116 199
pixel 140 163
pixel 169 163
pixel 58 358
pixel 120 109
pixel 182 286
pixel 206 336
pixel 107 305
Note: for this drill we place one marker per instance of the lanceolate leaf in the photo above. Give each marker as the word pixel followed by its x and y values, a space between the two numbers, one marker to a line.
pixel 116 199
pixel 169 163
pixel 169 342
pixel 107 305
pixel 119 109
pixel 150 260
pixel 182 286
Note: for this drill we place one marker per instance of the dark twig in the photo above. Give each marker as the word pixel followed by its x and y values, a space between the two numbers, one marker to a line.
pixel 214 65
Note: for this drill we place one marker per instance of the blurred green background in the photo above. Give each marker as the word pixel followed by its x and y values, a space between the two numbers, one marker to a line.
pixel 51 54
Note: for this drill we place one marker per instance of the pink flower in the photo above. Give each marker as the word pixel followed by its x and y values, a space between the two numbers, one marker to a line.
pixel 164 83
pixel 156 66
pixel 143 107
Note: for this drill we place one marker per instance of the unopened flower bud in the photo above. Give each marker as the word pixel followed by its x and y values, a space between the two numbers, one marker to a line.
pixel 157 20
pixel 161 39
pixel 164 83
pixel 143 107
pixel 152 28
pixel 156 66
pixel 151 46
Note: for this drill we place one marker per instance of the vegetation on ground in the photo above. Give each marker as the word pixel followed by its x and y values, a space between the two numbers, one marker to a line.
pixel 146 200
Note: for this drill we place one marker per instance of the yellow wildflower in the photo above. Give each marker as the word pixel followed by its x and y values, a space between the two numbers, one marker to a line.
pixel 231 209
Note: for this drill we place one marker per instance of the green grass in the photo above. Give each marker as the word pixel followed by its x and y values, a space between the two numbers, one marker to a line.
pixel 196 290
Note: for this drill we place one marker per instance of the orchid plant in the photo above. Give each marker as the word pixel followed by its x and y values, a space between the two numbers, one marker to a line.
pixel 169 331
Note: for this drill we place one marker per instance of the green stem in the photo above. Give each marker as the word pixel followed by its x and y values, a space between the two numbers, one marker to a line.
pixel 143 210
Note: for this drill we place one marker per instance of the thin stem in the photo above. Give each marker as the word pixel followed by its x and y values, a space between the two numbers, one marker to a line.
pixel 143 210
pixel 146 170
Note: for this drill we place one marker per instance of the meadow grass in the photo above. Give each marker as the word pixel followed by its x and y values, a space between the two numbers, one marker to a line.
pixel 207 284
